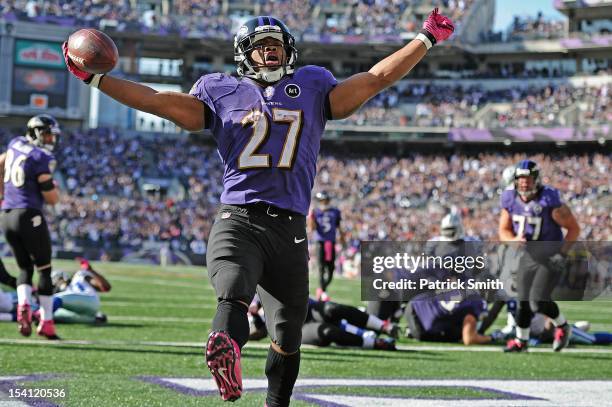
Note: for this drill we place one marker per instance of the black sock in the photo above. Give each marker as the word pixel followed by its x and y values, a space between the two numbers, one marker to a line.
pixel 523 314
pixel 231 317
pixel 25 276
pixel 548 308
pixel 282 372
pixel 45 286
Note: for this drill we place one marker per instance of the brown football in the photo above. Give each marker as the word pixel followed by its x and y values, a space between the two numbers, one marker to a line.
pixel 92 51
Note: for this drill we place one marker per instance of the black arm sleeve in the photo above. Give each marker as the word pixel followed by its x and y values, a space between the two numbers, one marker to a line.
pixel 47 185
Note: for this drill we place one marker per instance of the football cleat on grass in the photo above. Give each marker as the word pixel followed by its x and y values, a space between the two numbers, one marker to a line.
pixel 322 295
pixel 516 345
pixel 47 329
pixel 384 344
pixel 100 318
pixel 562 337
pixel 391 329
pixel 24 319
pixel 223 360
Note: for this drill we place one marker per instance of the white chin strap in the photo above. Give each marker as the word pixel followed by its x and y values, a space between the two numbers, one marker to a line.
pixel 268 76
pixel 527 194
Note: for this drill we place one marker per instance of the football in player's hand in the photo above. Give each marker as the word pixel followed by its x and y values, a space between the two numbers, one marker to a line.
pixel 92 51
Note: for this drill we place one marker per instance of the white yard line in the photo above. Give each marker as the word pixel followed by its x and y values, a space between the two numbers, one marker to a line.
pixel 265 345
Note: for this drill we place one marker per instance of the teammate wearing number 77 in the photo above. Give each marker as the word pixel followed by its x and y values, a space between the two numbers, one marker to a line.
pixel 26 168
pixel 533 216
pixel 268 124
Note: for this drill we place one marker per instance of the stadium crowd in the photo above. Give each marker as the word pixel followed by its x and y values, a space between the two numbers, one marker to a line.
pixel 209 18
pixel 456 106
pixel 380 197
pixel 536 28
pixel 389 199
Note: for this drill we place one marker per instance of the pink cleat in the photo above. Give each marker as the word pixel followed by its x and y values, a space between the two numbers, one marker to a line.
pixel 47 329
pixel 516 346
pixel 562 337
pixel 24 319
pixel 322 295
pixel 223 360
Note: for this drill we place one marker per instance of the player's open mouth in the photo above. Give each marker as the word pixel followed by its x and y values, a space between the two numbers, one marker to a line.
pixel 271 60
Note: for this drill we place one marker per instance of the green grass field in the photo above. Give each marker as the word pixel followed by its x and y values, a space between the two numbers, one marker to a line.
pixel 159 318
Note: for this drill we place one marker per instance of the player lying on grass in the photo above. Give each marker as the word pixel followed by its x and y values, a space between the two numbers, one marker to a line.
pixel 542 330
pixel 328 322
pixel 448 317
pixel 76 298
pixel 268 125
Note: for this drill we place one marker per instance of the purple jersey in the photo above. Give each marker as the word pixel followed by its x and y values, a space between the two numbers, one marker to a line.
pixel 268 137
pixel 446 311
pixel 23 164
pixel 534 218
pixel 327 222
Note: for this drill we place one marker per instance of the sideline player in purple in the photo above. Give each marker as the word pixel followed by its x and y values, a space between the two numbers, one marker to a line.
pixel 324 220
pixel 27 167
pixel 268 124
pixel 534 212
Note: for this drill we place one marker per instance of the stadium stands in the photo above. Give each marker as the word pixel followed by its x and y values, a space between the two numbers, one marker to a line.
pixel 457 106
pixel 380 197
pixel 365 19
pixel 107 203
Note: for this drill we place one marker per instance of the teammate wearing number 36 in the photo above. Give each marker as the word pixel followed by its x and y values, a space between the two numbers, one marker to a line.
pixel 27 168
pixel 268 124
pixel 532 216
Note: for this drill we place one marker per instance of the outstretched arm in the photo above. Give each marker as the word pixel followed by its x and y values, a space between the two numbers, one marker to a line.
pixel 184 110
pixel 470 335
pixel 352 93
pixel 98 281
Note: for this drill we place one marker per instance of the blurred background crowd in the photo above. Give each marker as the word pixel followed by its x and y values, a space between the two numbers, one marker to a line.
pixel 215 19
pixel 105 201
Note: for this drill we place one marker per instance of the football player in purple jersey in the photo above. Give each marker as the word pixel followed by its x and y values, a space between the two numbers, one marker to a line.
pixel 532 212
pixel 268 124
pixel 324 221
pixel 447 317
pixel 27 167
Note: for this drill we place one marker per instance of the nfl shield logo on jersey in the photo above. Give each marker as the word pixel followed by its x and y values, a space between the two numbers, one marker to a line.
pixel 269 92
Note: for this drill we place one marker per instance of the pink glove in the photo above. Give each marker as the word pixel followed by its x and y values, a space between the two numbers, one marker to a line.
pixel 438 26
pixel 82 75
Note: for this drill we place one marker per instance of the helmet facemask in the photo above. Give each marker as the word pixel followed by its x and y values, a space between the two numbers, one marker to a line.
pixel 39 138
pixel 451 227
pixel 43 131
pixel 527 168
pixel 526 193
pixel 244 47
pixel 525 173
